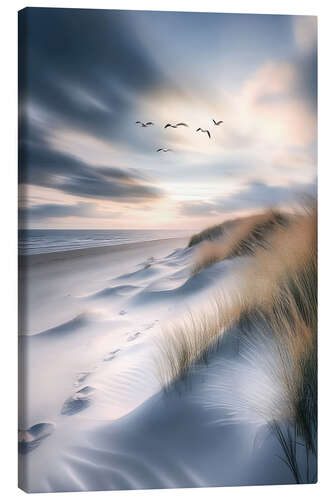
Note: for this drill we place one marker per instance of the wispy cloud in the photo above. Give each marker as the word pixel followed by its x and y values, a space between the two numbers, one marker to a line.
pixel 256 195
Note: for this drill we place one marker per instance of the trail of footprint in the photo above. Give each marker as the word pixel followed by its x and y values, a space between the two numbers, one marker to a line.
pixel 82 376
pixel 82 398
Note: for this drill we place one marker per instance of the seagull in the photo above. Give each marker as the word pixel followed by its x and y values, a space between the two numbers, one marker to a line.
pixel 177 125
pixel 145 124
pixel 202 130
pixel 218 123
pixel 162 149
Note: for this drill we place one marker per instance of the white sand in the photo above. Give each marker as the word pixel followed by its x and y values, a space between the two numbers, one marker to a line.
pixel 88 331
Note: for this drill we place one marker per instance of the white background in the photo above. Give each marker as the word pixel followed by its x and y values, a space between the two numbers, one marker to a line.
pixel 8 233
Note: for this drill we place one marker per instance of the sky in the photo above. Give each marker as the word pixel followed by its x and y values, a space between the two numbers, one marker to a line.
pixel 86 77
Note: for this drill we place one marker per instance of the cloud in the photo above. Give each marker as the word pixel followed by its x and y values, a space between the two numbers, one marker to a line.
pixel 256 195
pixel 57 210
pixel 271 79
pixel 199 208
pixel 85 67
pixel 274 108
pixel 305 32
pixel 274 104
pixel 42 166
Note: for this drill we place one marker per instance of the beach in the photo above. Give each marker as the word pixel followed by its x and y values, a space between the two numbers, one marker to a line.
pixel 87 319
pixel 58 276
pixel 106 401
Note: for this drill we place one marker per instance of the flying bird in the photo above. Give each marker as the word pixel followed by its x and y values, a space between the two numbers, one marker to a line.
pixel 162 149
pixel 218 123
pixel 145 124
pixel 205 131
pixel 181 124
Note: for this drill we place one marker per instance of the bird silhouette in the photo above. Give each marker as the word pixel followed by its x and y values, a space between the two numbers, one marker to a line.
pixel 162 149
pixel 202 130
pixel 181 124
pixel 218 123
pixel 145 124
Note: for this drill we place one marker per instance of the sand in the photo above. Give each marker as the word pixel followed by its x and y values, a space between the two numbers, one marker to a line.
pixel 95 416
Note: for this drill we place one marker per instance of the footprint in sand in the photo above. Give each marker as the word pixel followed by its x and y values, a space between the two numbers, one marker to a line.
pixel 78 402
pixel 133 337
pixel 148 326
pixel 148 263
pixel 29 439
pixel 111 355
pixel 81 377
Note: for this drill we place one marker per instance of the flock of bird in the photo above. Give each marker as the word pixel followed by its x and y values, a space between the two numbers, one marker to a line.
pixel 176 125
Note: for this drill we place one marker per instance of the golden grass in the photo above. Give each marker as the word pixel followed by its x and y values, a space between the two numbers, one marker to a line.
pixel 279 270
pixel 239 237
pixel 276 291
pixel 193 337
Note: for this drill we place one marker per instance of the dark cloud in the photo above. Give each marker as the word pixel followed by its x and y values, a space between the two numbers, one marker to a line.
pixel 82 66
pixel 81 69
pixel 42 166
pixel 54 210
pixel 256 195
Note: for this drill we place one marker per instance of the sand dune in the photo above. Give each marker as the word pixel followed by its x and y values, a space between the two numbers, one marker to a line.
pixel 101 340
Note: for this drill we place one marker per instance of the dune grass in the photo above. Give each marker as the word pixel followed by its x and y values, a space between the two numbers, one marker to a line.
pixel 192 339
pixel 234 238
pixel 212 232
pixel 276 287
pixel 285 265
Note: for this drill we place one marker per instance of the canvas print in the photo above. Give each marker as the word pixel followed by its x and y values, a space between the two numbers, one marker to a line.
pixel 167 249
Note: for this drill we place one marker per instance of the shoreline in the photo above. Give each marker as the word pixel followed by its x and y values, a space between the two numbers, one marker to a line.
pixel 65 255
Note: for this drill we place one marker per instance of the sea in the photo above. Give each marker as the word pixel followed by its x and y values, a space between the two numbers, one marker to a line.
pixel 37 241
